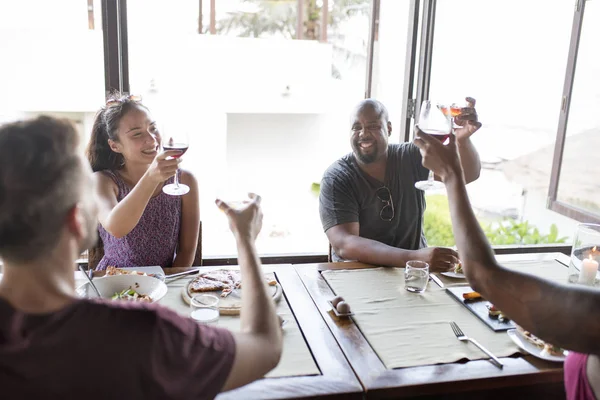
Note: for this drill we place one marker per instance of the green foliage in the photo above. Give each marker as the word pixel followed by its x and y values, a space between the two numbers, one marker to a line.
pixel 438 228
pixel 315 188
pixel 436 222
pixel 513 232
pixel 280 17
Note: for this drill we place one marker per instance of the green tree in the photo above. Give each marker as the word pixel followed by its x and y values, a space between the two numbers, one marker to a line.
pixel 269 17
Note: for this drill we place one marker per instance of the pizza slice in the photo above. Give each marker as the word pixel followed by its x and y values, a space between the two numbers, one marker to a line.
pixel 222 276
pixel 270 281
pixel 236 278
pixel 201 284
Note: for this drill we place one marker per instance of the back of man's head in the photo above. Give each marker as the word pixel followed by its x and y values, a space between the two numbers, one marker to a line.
pixel 40 181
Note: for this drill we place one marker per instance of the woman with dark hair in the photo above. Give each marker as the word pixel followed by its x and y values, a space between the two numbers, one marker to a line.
pixel 139 224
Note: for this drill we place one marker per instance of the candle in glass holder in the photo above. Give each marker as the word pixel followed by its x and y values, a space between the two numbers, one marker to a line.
pixel 589 268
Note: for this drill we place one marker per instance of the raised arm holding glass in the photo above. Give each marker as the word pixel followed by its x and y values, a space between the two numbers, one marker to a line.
pixel 369 206
pixel 564 315
pixel 147 217
pixel 54 345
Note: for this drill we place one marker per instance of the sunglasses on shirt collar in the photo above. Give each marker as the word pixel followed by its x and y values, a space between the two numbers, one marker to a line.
pixel 387 212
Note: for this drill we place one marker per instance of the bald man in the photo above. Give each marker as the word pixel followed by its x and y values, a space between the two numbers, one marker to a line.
pixel 369 206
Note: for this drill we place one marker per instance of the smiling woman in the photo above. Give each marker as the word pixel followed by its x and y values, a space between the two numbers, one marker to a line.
pixel 130 172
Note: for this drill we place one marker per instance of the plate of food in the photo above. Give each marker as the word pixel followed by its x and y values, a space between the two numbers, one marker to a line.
pixel 456 273
pixel 536 346
pixel 227 284
pixel 125 287
pixel 481 308
pixel 155 272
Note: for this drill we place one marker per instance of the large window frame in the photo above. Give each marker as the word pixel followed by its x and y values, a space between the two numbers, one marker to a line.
pixel 419 54
pixel 554 204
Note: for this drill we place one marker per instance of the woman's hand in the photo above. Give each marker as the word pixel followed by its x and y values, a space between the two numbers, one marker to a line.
pixel 162 167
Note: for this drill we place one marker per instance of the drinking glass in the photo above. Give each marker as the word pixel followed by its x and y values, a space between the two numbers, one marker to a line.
pixel 204 308
pixel 235 198
pixel 176 140
pixel 585 255
pixel 433 121
pixel 453 110
pixel 416 276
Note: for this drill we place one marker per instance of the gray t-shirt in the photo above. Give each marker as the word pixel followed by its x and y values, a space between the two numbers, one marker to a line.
pixel 349 195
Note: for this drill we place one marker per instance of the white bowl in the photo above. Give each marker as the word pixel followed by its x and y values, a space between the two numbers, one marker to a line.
pixel 109 285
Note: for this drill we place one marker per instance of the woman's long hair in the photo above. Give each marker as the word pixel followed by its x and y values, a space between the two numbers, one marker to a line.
pixel 106 123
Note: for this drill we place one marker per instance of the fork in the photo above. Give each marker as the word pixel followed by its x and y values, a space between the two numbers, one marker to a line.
pixel 89 277
pixel 464 338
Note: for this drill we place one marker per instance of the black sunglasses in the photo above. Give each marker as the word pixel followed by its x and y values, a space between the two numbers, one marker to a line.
pixel 387 212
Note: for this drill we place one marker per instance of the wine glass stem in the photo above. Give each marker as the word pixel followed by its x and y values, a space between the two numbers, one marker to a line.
pixel 176 180
pixel 430 178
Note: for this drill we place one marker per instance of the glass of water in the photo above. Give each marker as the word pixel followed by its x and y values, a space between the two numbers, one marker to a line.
pixel 205 308
pixel 416 276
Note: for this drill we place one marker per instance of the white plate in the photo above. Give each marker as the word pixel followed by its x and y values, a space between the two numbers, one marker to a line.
pixel 157 271
pixel 452 274
pixel 109 285
pixel 532 349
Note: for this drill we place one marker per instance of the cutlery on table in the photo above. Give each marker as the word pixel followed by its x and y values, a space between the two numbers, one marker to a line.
pixel 436 280
pixel 192 271
pixel 464 338
pixel 89 275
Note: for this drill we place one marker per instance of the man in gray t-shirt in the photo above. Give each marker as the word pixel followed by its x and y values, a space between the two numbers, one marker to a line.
pixel 369 206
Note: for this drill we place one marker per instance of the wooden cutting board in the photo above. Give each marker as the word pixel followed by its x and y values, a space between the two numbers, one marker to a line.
pixel 232 304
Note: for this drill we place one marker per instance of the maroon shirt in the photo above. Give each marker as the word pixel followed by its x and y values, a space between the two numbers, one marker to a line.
pixel 111 350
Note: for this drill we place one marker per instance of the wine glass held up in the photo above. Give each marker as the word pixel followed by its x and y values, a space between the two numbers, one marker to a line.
pixel 434 120
pixel 178 141
pixel 453 110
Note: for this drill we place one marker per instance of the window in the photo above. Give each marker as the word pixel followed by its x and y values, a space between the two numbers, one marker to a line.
pixel 492 53
pixel 575 190
pixel 52 61
pixel 270 110
pixel 269 87
pixel 392 45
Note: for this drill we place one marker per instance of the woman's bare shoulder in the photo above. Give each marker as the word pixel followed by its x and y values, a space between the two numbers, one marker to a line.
pixel 187 177
pixel 103 181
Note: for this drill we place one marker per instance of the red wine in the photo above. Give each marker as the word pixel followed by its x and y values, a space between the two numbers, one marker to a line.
pixel 182 147
pixel 442 136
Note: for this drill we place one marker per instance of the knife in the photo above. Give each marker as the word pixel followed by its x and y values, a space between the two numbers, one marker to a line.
pixel 436 280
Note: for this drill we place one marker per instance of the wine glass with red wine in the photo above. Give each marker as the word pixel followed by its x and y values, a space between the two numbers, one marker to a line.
pixel 179 141
pixel 435 121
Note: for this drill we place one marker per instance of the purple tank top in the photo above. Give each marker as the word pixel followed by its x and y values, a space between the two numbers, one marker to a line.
pixel 154 239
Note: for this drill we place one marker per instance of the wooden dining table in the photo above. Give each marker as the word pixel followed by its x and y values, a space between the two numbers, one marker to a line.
pixel 523 376
pixel 335 380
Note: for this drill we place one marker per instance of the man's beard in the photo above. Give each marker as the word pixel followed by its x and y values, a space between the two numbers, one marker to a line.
pixel 365 158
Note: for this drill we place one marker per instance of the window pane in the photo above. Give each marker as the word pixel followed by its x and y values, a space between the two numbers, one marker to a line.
pixel 513 62
pixel 580 170
pixel 389 60
pixel 52 60
pixel 270 113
